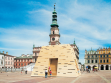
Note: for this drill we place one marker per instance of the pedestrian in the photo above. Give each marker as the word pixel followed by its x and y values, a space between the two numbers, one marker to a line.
pixel 49 68
pixel 26 71
pixel 50 73
pixel 21 71
pixel 45 73
pixel 89 70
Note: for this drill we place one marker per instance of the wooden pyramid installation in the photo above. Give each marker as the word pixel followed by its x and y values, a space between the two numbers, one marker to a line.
pixel 60 58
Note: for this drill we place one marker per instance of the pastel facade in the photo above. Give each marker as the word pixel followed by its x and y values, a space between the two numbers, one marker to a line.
pixel 105 58
pixel 23 60
pixel 36 51
pixel 100 58
pixel 91 59
pixel 60 58
pixel 8 60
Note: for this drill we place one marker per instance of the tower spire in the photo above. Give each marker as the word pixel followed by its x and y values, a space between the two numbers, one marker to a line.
pixel 54 7
pixel 74 42
pixel 54 35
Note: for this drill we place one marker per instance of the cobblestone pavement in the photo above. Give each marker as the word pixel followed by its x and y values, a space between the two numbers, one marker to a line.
pixel 92 77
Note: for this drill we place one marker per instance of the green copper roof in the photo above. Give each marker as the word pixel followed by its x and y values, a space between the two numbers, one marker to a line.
pixel 54 25
pixel 54 12
pixel 74 42
pixel 33 45
pixel 54 20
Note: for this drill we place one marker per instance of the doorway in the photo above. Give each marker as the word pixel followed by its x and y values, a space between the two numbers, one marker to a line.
pixel 107 67
pixel 89 67
pixel 102 67
pixel 53 66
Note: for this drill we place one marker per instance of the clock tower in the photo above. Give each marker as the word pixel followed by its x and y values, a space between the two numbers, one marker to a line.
pixel 54 34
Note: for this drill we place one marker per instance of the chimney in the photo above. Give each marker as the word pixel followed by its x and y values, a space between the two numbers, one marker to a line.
pixel 7 53
pixel 3 52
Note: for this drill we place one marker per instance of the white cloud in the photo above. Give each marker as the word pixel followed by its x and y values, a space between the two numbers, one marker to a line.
pixel 88 24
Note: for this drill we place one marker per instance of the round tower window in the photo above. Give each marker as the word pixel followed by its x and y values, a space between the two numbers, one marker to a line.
pixel 53 39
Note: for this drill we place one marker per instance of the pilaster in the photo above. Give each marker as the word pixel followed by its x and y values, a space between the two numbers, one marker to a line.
pixel 104 67
pixel 109 67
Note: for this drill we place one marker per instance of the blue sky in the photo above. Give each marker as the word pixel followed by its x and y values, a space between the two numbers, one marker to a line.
pixel 27 22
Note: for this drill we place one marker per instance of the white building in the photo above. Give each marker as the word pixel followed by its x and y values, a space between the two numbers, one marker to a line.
pixel 2 64
pixel 6 61
pixel 91 59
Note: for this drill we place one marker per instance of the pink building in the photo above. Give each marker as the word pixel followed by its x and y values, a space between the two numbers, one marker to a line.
pixel 9 60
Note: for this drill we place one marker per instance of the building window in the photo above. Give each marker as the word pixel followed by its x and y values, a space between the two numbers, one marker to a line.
pixel 2 62
pixel 24 64
pixel 8 58
pixel 100 61
pixel 101 56
pixel 107 61
pixel 11 58
pixel 104 61
pixel 88 56
pixel 92 56
pixel 53 32
pixel 2 57
pixel 92 61
pixel 88 61
pixel 107 56
pixel 9 63
pixel 5 57
pixel 21 64
pixel 53 39
pixel 16 64
pixel 96 61
pixel 6 62
pixel 35 54
pixel 96 56
pixel 104 55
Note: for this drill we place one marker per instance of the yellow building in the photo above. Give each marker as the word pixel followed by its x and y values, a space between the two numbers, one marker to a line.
pixel 105 59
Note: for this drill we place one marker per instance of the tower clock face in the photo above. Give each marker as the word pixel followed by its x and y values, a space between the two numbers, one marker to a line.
pixel 53 39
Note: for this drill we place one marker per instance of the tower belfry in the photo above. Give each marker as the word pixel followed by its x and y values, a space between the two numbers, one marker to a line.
pixel 54 34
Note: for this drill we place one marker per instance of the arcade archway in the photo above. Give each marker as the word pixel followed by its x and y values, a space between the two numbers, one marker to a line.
pixel 89 67
pixel 102 67
pixel 107 67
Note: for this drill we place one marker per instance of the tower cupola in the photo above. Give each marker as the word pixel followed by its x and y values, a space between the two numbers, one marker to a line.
pixel 54 34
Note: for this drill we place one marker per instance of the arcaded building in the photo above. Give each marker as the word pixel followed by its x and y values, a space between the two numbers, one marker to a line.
pixel 91 59
pixel 105 58
pixel 100 58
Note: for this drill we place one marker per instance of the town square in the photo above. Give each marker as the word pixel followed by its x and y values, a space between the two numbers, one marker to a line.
pixel 92 77
pixel 55 41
